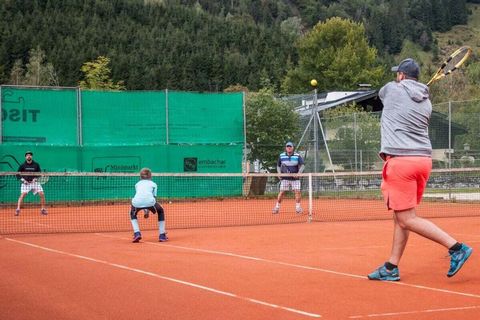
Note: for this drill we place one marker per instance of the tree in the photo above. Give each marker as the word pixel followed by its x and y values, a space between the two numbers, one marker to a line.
pixel 473 73
pixel 270 123
pixel 3 74
pixel 156 44
pixel 236 88
pixel 97 75
pixel 337 54
pixel 458 12
pixel 17 73
pixel 38 71
pixel 292 27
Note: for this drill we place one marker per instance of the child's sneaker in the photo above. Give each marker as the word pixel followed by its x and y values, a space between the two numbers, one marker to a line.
pixel 458 259
pixel 44 211
pixel 163 237
pixel 137 236
pixel 275 210
pixel 385 275
pixel 299 210
pixel 17 212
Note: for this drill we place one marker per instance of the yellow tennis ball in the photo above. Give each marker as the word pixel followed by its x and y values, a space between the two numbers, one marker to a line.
pixel 313 83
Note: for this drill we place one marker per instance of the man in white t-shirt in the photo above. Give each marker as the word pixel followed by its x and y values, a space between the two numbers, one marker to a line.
pixel 146 199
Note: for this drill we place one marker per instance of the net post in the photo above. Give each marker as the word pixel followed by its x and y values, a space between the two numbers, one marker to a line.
pixel 310 198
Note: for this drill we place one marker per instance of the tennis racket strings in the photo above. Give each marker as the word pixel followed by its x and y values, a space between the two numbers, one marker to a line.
pixel 452 63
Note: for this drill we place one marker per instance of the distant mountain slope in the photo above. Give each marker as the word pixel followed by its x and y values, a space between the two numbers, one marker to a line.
pixel 201 44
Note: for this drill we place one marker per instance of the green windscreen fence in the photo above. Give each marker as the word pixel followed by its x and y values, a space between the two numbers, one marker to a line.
pixel 72 130
pixel 123 118
pixel 197 118
pixel 69 117
pixel 78 189
pixel 39 116
pixel 162 159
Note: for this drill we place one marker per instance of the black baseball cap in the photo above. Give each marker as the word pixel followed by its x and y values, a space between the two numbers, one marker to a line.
pixel 29 152
pixel 409 67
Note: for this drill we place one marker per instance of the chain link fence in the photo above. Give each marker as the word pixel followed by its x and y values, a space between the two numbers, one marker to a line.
pixel 350 143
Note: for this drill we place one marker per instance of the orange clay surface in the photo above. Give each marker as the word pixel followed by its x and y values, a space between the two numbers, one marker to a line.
pixel 283 271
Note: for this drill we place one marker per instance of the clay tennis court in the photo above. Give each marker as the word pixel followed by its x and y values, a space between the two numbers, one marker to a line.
pixel 280 271
pixel 110 216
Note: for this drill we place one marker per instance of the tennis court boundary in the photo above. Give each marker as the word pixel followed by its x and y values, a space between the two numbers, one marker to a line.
pixel 287 264
pixel 158 276
pixel 393 314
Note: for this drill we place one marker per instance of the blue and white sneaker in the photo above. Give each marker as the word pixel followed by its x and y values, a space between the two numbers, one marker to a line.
pixel 384 275
pixel 163 237
pixel 44 211
pixel 458 259
pixel 137 236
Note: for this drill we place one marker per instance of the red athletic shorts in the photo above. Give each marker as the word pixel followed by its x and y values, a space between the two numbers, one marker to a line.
pixel 404 181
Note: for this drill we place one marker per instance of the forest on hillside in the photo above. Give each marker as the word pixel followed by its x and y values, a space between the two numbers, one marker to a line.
pixel 200 45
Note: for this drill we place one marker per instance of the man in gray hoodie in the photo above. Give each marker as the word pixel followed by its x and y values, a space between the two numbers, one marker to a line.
pixel 406 150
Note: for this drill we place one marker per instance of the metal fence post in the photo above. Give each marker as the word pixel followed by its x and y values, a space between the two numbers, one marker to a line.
pixel 79 118
pixel 310 198
pixel 1 116
pixel 355 139
pixel 167 138
pixel 450 134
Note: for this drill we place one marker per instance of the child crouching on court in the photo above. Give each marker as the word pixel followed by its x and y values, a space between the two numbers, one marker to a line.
pixel 145 199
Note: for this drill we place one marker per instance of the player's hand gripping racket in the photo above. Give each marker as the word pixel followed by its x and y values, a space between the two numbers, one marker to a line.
pixel 452 63
pixel 43 179
pixel 39 179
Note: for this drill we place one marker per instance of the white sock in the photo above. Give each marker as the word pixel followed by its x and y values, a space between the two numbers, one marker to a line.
pixel 297 205
pixel 161 227
pixel 135 226
pixel 277 205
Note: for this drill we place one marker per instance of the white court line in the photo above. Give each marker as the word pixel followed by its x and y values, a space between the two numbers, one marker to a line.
pixel 392 314
pixel 155 275
pixel 352 248
pixel 351 275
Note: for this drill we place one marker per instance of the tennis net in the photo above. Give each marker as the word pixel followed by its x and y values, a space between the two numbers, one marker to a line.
pixel 100 202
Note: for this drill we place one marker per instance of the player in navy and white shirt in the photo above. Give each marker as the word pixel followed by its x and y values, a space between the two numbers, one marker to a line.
pixel 146 199
pixel 290 162
pixel 29 182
